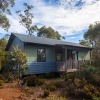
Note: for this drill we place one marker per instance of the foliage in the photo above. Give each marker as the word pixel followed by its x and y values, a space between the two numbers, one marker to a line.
pixel 51 87
pixel 4 9
pixel 18 58
pixel 92 37
pixel 85 84
pixel 93 34
pixel 86 72
pixel 58 84
pixel 48 32
pixel 17 55
pixel 3 44
pixel 3 58
pixel 84 42
pixel 14 64
pixel 95 57
pixel 2 81
pixel 69 76
pixel 83 89
pixel 3 54
pixel 26 19
pixel 46 93
pixel 33 81
pixel 9 76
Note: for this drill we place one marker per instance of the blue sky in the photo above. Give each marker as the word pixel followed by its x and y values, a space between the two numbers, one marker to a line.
pixel 71 18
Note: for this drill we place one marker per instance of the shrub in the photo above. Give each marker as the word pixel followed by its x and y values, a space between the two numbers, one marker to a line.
pixel 51 87
pixel 58 84
pixel 96 98
pixel 46 93
pixel 2 77
pixel 95 80
pixel 51 75
pixel 8 77
pixel 86 84
pixel 86 73
pixel 1 82
pixel 69 76
pixel 33 81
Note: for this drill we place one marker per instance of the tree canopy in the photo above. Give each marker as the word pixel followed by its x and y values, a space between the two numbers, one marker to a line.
pixel 92 38
pixel 26 19
pixel 4 9
pixel 93 34
pixel 48 32
pixel 3 54
pixel 18 56
pixel 84 42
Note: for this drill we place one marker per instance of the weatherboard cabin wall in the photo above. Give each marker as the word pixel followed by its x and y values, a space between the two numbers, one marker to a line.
pixel 31 51
pixel 30 46
pixel 17 41
pixel 40 67
pixel 84 55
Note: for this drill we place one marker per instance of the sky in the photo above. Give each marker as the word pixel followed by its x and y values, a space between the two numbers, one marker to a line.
pixel 71 18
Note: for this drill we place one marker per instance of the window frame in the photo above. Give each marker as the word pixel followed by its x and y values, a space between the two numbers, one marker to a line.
pixel 45 55
pixel 61 56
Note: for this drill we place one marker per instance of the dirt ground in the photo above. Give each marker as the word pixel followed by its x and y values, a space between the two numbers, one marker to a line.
pixel 10 91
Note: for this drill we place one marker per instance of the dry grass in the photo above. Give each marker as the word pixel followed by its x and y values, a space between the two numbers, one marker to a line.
pixel 11 91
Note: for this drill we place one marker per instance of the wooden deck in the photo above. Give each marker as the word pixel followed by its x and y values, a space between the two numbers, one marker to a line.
pixel 69 65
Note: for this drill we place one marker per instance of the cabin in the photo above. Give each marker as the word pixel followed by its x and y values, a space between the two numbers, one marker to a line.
pixel 46 55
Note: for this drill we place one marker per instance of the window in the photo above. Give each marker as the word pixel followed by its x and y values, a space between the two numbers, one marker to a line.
pixel 41 56
pixel 59 55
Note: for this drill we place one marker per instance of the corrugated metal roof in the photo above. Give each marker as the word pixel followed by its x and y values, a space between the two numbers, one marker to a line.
pixel 45 41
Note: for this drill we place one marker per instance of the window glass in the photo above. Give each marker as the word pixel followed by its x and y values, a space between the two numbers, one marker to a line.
pixel 59 55
pixel 41 56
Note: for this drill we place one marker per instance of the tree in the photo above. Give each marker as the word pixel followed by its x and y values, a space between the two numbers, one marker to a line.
pixel 84 42
pixel 3 43
pixel 92 37
pixel 26 19
pixel 3 54
pixel 4 9
pixel 93 34
pixel 48 32
pixel 19 58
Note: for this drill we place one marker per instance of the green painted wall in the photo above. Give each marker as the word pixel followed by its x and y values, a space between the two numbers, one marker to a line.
pixel 31 51
pixel 18 42
pixel 84 55
pixel 50 54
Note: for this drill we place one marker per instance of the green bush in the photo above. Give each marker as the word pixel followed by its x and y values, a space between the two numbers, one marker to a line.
pixel 2 77
pixel 46 93
pixel 91 74
pixel 1 82
pixel 33 81
pixel 86 84
pixel 8 77
pixel 95 80
pixel 58 84
pixel 86 72
pixel 51 87
pixel 69 76
pixel 96 98
pixel 83 89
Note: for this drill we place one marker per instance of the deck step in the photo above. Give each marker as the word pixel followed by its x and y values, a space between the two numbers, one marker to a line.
pixel 71 70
